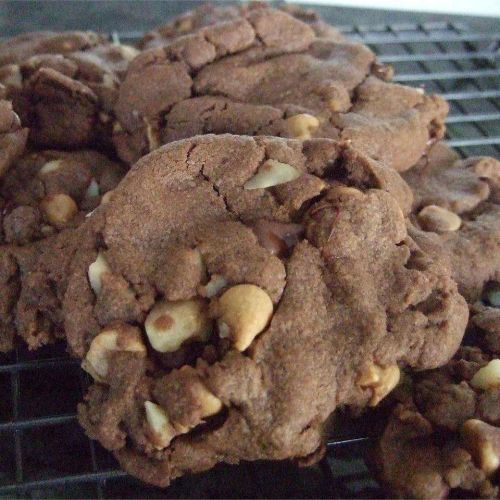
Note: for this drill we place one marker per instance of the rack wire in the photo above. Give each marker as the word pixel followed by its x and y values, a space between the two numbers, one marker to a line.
pixel 43 451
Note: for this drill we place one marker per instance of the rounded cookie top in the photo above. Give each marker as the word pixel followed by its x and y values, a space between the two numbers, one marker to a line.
pixel 268 73
pixel 64 85
pixel 17 49
pixel 13 136
pixel 235 290
pixel 458 199
pixel 209 14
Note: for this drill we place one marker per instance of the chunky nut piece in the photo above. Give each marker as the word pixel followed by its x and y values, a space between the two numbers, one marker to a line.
pixel 50 166
pixel 487 377
pixel 122 338
pixel 92 189
pixel 209 403
pixel 170 324
pixel 438 219
pixel 106 197
pixel 59 209
pixel 128 52
pixel 213 287
pixel 161 432
pixel 483 442
pixel 243 312
pixel 381 379
pixel 272 173
pixel 301 126
pixel 95 272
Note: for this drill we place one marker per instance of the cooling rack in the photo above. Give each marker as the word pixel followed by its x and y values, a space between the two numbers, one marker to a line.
pixel 43 451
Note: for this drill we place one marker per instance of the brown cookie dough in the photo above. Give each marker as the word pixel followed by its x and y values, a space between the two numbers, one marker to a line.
pixel 17 49
pixel 474 250
pixel 443 437
pixel 185 295
pixel 442 178
pixel 51 190
pixel 12 135
pixel 42 198
pixel 458 199
pixel 64 85
pixel 268 73
pixel 209 14
pixel 30 301
pixel 486 322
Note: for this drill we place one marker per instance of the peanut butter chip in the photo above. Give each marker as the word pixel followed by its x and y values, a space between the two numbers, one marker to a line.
pixel 438 219
pixel 119 338
pixel 381 380
pixel 483 442
pixel 303 125
pixel 170 324
pixel 243 312
pixel 59 209
pixel 487 377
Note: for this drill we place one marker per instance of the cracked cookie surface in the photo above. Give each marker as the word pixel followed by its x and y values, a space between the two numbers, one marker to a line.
pixel 209 14
pixel 185 295
pixel 268 73
pixel 64 85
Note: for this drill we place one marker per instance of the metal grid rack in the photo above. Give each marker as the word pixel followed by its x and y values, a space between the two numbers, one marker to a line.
pixel 44 453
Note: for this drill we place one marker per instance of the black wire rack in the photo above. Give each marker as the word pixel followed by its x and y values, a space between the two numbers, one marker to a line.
pixel 43 451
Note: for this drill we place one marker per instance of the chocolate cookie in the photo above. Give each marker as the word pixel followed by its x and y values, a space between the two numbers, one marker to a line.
pixel 45 194
pixel 442 178
pixel 64 85
pixel 17 49
pixel 443 437
pixel 12 135
pixel 268 73
pixel 185 295
pixel 209 14
pixel 458 199
pixel 52 190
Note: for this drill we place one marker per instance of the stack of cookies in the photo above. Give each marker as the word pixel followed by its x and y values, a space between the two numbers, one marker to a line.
pixel 240 226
